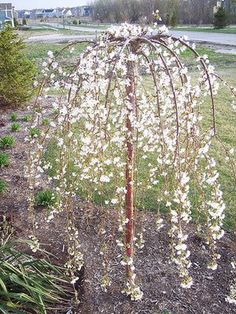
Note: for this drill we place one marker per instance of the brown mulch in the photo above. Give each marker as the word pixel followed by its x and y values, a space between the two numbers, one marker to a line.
pixel 155 272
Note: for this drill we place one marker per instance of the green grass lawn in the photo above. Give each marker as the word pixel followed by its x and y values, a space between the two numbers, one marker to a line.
pixel 219 60
pixel 38 51
pixel 226 128
pixel 227 30
pixel 51 31
pixel 98 26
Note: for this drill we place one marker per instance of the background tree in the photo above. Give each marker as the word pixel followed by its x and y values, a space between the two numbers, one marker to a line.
pixel 220 18
pixel 183 11
pixel 134 10
pixel 16 71
pixel 16 22
pixel 24 21
pixel 174 19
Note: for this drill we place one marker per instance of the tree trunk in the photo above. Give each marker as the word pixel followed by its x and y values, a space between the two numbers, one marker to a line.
pixel 129 201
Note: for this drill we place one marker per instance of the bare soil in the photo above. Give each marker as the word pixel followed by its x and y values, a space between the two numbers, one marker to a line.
pixel 155 272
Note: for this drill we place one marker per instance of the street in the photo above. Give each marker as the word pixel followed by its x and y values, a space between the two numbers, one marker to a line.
pixel 224 42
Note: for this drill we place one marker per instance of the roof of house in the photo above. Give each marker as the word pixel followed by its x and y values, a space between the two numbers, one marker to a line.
pixel 5 6
pixel 48 10
pixel 39 12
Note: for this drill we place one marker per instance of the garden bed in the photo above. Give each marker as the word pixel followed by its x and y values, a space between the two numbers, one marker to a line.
pixel 155 272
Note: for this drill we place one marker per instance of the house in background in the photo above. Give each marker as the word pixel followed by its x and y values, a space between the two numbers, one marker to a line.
pixel 57 13
pixel 6 14
pixel 48 13
pixel 23 14
pixel 37 14
pixel 27 14
pixel 45 14
pixel 67 13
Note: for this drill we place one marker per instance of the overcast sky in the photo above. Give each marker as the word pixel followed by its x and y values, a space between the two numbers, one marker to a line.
pixel 33 4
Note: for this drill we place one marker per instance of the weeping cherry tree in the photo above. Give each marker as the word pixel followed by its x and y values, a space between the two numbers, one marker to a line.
pixel 129 121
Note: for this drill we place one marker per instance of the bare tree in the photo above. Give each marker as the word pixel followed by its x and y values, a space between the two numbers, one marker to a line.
pixel 102 10
pixel 183 11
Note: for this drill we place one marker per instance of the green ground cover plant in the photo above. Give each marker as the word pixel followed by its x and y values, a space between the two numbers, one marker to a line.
pixel 30 285
pixel 45 198
pixel 3 186
pixel 14 117
pixel 7 141
pixel 26 118
pixel 4 159
pixel 15 127
pixel 34 132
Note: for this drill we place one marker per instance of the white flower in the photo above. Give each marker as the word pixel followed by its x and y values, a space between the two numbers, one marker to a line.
pixel 36 83
pixel 60 142
pixel 163 29
pixel 114 201
pixel 159 221
pixel 55 65
pixel 213 265
pixel 186 284
pixel 104 178
pixel 230 300
pixel 184 178
pixel 120 243
pixel 213 179
pixel 55 105
pixel 137 294
pixel 181 247
pixel 34 244
pixel 53 124
pixel 73 281
pixel 50 54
